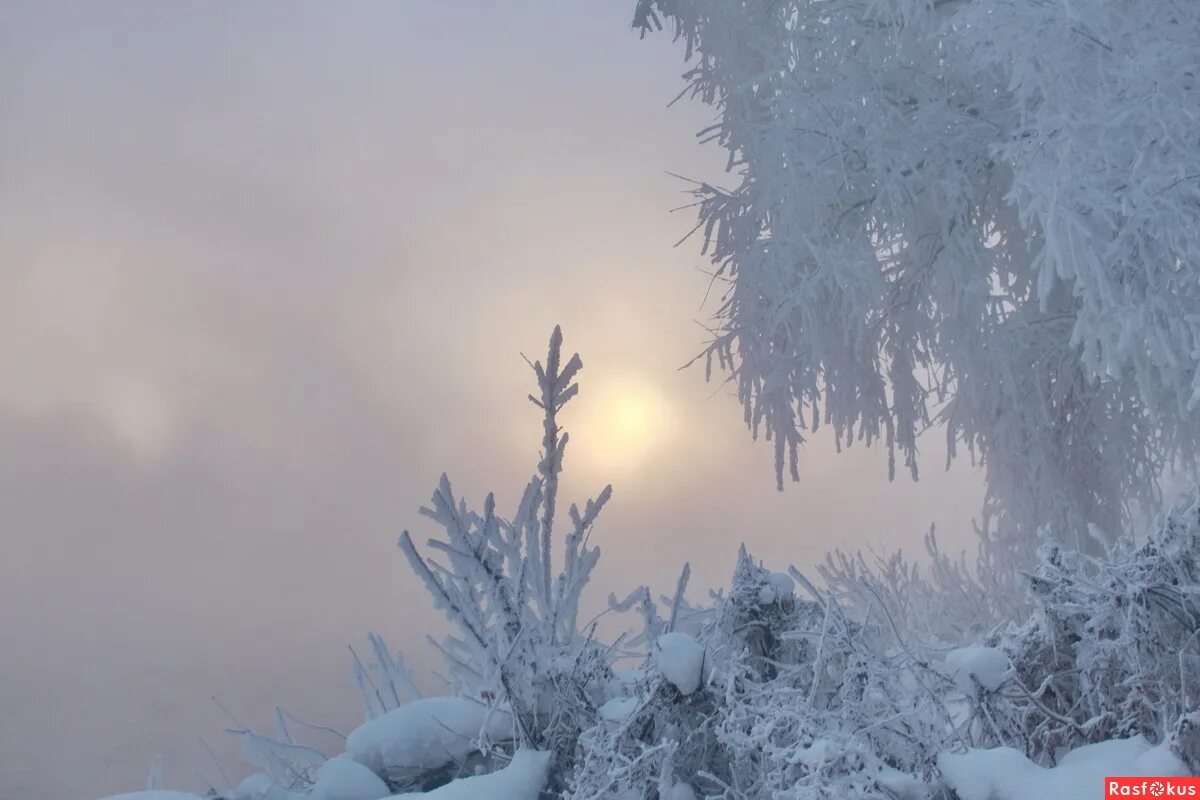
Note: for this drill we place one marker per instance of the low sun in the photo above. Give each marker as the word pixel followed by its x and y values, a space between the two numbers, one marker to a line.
pixel 622 424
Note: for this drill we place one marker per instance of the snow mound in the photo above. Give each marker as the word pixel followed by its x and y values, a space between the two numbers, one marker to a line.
pixel 977 666
pixel 522 779
pixel 154 794
pixel 426 734
pixel 1003 773
pixel 680 659
pixel 342 778
pixel 619 709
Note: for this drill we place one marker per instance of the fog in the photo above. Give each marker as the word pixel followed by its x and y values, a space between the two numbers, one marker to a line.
pixel 268 270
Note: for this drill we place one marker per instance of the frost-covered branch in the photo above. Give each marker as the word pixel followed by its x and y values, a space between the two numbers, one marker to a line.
pixel 519 640
pixel 929 225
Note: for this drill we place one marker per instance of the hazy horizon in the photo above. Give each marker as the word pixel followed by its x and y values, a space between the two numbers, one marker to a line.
pixel 270 271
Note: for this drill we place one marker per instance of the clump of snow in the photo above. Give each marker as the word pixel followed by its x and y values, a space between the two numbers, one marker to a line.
pixel 779 585
pixel 522 779
pixel 343 778
pixel 680 659
pixel 619 709
pixel 900 784
pixel 425 734
pixel 682 791
pixel 972 667
pixel 1003 773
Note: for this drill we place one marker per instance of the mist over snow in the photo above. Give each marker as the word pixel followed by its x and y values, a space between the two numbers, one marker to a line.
pixel 281 282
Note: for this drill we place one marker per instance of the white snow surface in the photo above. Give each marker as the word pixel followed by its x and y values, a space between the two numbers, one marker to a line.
pixel 680 659
pixel 977 666
pixel 154 794
pixel 522 779
pixel 1003 773
pixel 343 778
pixel 426 733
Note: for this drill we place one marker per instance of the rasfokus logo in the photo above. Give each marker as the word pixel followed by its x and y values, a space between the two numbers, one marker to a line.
pixel 1151 787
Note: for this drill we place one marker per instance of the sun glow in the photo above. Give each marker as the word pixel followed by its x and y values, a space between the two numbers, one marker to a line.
pixel 622 425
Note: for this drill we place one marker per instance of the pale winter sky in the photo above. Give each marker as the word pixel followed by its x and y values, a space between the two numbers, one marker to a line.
pixel 268 269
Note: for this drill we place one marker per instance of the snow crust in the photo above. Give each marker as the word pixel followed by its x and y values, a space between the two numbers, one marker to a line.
pixel 982 666
pixel 154 794
pixel 1003 773
pixel 425 734
pixel 522 779
pixel 680 659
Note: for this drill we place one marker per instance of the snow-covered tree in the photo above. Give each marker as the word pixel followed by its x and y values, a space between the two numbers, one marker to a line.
pixel 983 214
pixel 518 641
